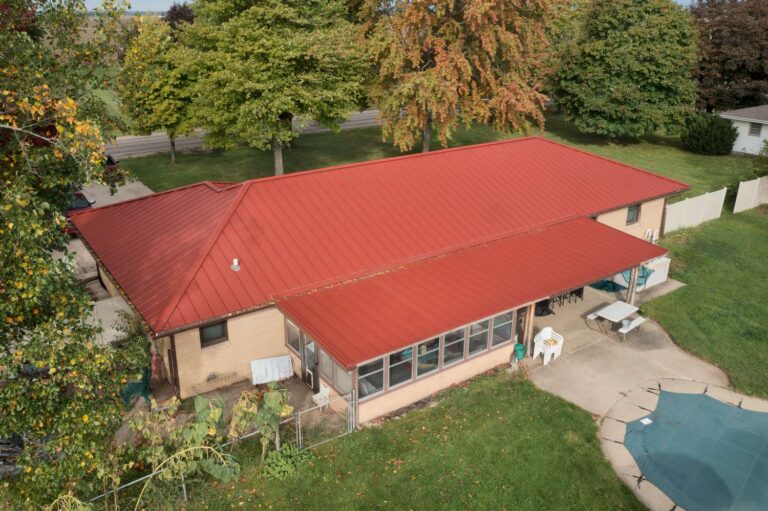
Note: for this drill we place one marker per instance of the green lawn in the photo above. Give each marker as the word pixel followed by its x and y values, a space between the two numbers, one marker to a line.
pixel 496 443
pixel 658 154
pixel 722 313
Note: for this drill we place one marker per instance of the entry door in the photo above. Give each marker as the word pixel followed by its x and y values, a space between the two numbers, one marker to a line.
pixel 309 363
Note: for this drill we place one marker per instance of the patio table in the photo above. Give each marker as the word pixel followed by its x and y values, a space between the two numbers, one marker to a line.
pixel 617 311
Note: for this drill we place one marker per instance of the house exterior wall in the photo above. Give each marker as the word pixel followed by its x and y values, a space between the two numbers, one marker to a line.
pixel 651 216
pixel 108 284
pixel 746 143
pixel 395 399
pixel 259 334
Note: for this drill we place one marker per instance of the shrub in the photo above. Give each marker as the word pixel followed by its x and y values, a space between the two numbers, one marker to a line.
pixel 283 463
pixel 708 134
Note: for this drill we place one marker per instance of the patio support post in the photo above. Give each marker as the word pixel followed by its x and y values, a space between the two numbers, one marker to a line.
pixel 528 329
pixel 632 287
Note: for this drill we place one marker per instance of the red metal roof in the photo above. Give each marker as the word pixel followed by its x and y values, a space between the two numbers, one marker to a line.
pixel 301 231
pixel 369 317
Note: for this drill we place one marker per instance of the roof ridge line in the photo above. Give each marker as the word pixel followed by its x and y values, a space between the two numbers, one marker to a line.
pixel 343 166
pixel 626 165
pixel 155 194
pixel 429 257
pixel 195 268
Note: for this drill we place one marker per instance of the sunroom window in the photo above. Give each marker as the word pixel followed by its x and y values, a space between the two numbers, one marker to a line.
pixel 453 349
pixel 342 379
pixel 428 356
pixel 400 367
pixel 478 337
pixel 502 328
pixel 326 366
pixel 370 377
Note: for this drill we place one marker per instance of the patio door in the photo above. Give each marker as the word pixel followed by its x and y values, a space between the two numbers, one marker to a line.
pixel 309 363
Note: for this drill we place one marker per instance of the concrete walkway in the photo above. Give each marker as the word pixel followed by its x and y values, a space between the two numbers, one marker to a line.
pixel 638 403
pixel 133 145
pixel 597 368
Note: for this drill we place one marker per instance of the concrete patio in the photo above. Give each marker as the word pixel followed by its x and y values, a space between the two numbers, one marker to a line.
pixel 597 368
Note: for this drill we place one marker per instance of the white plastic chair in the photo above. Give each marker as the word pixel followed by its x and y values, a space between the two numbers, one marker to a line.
pixel 323 397
pixel 540 347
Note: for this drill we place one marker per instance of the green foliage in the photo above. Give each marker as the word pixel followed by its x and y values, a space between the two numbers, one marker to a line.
pixel 258 65
pixel 59 388
pixel 260 412
pixel 721 314
pixel 709 134
pixel 283 464
pixel 630 71
pixel 153 87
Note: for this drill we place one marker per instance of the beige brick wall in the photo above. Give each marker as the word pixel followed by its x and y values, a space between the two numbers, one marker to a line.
pixel 651 215
pixel 108 284
pixel 251 336
pixel 423 387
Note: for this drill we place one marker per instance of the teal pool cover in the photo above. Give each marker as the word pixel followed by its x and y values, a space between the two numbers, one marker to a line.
pixel 703 453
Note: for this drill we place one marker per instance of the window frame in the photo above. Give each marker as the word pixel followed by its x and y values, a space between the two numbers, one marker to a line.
pixel 216 340
pixel 637 215
pixel 469 336
pixel 439 365
pixel 464 347
pixel 755 126
pixel 383 370
pixel 511 323
pixel 412 377
pixel 289 324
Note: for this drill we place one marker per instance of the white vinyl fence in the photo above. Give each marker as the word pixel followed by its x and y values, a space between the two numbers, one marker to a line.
pixel 694 211
pixel 751 194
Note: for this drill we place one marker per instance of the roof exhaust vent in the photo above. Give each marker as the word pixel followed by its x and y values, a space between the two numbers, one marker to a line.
pixel 235 264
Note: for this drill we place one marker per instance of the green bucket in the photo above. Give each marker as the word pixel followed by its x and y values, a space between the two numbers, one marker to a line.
pixel 520 351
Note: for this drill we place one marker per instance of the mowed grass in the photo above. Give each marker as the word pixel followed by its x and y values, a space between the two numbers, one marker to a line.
pixel 658 154
pixel 722 313
pixel 495 443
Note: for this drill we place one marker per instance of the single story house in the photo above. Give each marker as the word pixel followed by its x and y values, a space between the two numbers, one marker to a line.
pixel 752 126
pixel 388 279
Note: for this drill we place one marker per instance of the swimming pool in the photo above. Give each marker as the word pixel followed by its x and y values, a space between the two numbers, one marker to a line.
pixel 703 453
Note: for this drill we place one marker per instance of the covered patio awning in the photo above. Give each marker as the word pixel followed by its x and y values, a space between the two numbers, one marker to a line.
pixel 369 317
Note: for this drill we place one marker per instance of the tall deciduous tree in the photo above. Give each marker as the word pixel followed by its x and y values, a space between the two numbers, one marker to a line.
pixel 441 63
pixel 261 64
pixel 630 72
pixel 153 87
pixel 58 388
pixel 733 41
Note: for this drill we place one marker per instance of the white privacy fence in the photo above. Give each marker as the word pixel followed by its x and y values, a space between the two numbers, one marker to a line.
pixel 693 211
pixel 751 194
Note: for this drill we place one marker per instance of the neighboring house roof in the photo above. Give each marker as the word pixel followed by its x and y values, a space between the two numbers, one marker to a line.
pixel 757 114
pixel 363 319
pixel 302 231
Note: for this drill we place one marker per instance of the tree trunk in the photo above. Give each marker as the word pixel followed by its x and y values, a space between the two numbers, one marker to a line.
pixel 426 136
pixel 173 149
pixel 277 150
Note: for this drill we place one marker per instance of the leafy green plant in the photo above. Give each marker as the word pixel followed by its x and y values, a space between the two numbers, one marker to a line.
pixel 708 134
pixel 260 412
pixel 283 464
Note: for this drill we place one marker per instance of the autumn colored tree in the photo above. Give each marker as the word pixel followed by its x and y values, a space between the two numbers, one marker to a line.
pixel 630 72
pixel 260 64
pixel 58 388
pixel 153 87
pixel 449 62
pixel 733 41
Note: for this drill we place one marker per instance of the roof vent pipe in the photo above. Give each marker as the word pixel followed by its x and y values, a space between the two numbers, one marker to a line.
pixel 235 264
